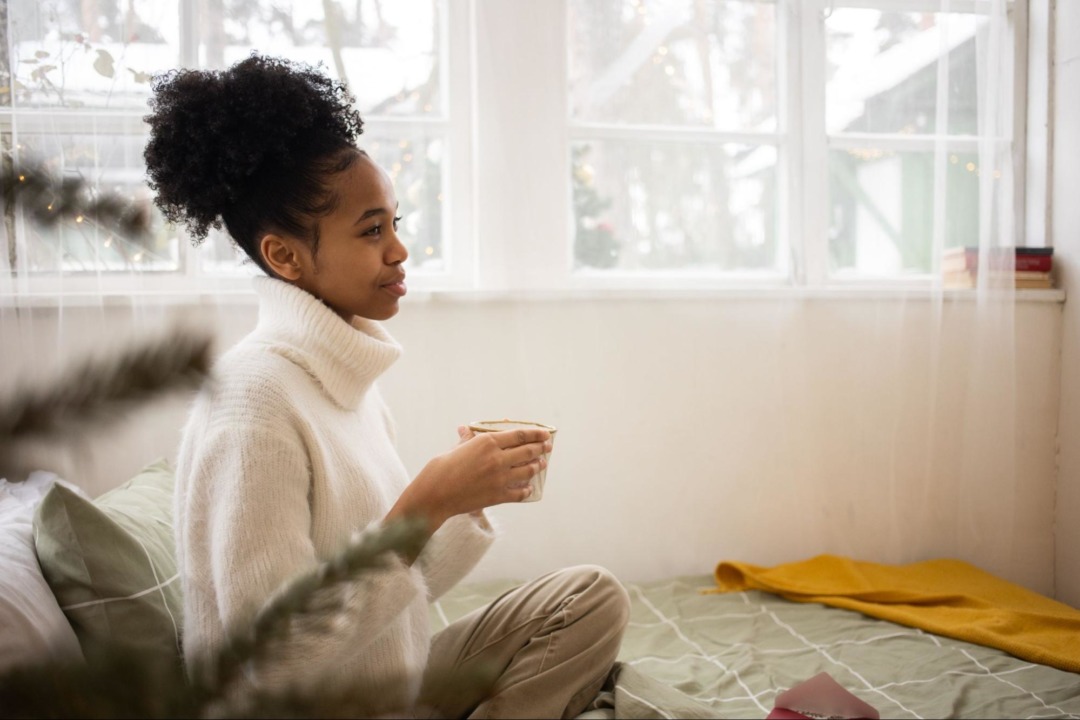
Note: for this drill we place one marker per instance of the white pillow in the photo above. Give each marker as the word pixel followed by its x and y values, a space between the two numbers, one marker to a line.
pixel 34 627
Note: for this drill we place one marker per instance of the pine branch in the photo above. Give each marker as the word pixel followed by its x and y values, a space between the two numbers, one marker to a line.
pixel 295 606
pixel 301 605
pixel 294 602
pixel 99 391
pixel 49 199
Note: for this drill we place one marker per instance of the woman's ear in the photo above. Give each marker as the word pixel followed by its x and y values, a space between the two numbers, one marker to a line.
pixel 283 256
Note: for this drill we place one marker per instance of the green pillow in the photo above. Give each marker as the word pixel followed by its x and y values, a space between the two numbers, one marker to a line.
pixel 111 562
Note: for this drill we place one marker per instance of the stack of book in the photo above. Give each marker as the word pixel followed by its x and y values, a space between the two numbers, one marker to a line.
pixel 1028 267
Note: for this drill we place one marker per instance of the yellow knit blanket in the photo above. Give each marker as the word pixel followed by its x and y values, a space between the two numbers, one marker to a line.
pixel 946 597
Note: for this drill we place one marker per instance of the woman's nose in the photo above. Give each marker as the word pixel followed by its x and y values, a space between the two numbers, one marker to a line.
pixel 398 253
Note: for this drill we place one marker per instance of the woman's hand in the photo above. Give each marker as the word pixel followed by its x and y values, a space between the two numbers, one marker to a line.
pixel 482 470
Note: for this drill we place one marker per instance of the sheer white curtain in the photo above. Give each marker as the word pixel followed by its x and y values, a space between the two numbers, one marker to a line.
pixel 984 488
pixel 941 450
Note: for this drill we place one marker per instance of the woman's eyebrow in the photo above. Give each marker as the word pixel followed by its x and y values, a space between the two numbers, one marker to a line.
pixel 375 211
pixel 370 213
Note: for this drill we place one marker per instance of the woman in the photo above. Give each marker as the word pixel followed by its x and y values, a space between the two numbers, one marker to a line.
pixel 289 453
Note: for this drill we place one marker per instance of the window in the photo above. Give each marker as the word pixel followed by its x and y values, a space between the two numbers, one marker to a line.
pixel 78 79
pixel 567 143
pixel 828 139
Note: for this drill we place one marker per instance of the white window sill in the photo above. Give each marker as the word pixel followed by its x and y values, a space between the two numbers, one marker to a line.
pixel 736 293
pixel 241 295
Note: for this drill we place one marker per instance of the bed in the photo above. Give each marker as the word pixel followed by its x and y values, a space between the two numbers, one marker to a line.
pixel 736 652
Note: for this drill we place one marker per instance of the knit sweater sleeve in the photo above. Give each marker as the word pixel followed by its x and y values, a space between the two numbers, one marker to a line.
pixel 250 500
pixel 456 547
pixel 452 552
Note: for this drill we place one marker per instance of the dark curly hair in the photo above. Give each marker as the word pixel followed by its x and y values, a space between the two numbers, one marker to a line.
pixel 250 146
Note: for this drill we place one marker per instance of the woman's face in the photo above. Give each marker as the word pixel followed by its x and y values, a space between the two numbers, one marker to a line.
pixel 358 267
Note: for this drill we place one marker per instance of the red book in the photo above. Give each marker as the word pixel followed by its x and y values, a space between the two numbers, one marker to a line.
pixel 1026 259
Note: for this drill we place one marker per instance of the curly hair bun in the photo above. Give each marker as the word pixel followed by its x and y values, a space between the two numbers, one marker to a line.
pixel 218 138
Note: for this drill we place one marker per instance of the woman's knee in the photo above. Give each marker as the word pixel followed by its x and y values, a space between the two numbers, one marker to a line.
pixel 605 592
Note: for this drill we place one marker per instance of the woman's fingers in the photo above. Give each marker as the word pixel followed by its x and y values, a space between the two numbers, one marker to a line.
pixel 513 438
pixel 488 469
pixel 520 474
pixel 525 453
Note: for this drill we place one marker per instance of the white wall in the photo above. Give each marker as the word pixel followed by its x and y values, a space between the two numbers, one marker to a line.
pixel 696 430
pixel 1066 239
pixel 700 430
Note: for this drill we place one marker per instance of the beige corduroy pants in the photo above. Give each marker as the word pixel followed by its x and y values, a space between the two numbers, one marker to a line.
pixel 550 643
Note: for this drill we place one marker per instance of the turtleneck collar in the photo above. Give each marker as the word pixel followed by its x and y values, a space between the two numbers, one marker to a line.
pixel 345 358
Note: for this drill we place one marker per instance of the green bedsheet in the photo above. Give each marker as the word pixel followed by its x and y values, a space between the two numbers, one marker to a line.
pixel 736 652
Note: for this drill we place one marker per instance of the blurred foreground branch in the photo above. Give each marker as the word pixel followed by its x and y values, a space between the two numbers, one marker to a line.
pixel 295 601
pixel 96 392
pixel 49 199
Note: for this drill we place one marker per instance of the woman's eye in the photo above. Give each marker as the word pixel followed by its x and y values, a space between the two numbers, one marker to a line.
pixel 377 229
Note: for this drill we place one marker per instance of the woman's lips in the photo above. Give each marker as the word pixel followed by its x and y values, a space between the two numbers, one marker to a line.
pixel 396 289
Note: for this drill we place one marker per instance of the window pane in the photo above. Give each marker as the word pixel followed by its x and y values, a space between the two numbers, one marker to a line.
pixel 390 53
pixel 882 208
pixel 87 53
pixel 674 63
pixel 646 206
pixel 883 71
pixel 107 164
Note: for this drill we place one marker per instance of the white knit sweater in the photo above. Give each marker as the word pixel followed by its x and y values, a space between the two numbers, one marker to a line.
pixel 287 454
